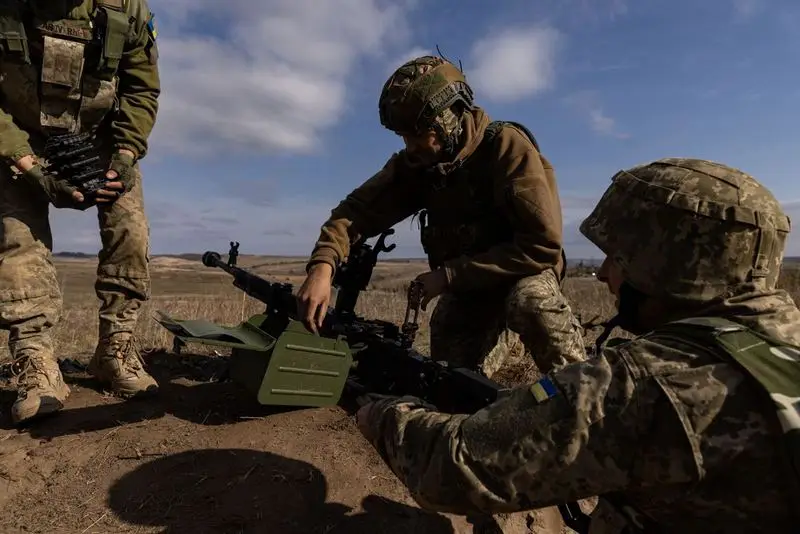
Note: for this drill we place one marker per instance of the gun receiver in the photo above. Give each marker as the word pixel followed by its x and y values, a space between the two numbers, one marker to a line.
pixel 69 158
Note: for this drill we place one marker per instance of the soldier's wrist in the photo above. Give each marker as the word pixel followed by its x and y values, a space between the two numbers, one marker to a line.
pixel 25 162
pixel 321 268
pixel 125 157
pixel 128 150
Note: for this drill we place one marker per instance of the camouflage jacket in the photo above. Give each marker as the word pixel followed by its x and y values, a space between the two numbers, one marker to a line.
pixel 676 431
pixel 502 199
pixel 96 64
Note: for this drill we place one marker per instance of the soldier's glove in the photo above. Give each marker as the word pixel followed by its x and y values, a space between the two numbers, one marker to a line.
pixel 57 192
pixel 122 164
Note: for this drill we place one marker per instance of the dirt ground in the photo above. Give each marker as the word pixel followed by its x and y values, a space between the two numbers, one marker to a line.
pixel 202 456
pixel 199 458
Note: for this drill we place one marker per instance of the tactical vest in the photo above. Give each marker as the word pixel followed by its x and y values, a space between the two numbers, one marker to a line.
pixel 60 75
pixel 773 364
pixel 461 216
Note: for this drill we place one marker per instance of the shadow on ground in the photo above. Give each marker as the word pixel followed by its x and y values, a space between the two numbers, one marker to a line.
pixel 240 490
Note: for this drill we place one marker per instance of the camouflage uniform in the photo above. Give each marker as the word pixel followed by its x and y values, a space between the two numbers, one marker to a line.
pixel 672 432
pixel 491 220
pixel 72 66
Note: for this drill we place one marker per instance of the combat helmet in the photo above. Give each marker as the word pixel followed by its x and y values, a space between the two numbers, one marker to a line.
pixel 419 96
pixel 690 230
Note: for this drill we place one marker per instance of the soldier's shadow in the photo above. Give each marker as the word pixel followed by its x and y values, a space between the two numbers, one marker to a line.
pixel 188 390
pixel 241 490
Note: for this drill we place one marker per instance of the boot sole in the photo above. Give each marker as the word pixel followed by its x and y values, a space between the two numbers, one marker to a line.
pixel 38 416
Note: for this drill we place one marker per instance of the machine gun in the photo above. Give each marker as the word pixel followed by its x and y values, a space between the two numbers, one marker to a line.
pixel 70 158
pixel 282 363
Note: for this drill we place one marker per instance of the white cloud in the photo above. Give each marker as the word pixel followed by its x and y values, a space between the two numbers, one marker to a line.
pixel 745 9
pixel 587 103
pixel 263 75
pixel 514 63
pixel 602 123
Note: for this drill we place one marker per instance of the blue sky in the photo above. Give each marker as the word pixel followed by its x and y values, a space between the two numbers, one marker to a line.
pixel 269 109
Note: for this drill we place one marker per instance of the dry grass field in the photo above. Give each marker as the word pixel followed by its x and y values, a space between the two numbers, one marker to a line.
pixel 202 457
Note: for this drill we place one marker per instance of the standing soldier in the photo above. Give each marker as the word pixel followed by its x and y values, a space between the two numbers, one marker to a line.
pixel 491 224
pixel 72 66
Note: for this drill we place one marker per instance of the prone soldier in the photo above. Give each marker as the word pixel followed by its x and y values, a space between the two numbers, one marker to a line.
pixel 691 427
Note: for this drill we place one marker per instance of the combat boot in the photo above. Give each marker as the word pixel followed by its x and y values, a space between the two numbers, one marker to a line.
pixel 41 388
pixel 117 362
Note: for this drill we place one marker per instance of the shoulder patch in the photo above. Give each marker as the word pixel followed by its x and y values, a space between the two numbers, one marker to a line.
pixel 543 390
pixel 151 26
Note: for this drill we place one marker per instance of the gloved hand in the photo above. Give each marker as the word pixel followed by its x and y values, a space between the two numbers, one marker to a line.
pixel 122 167
pixel 58 192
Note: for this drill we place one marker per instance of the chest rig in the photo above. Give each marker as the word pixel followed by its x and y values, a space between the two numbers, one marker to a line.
pixel 462 215
pixel 60 74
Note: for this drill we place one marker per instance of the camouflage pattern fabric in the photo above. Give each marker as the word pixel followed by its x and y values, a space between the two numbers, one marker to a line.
pixel 481 330
pixel 773 363
pixel 724 230
pixel 29 289
pixel 683 434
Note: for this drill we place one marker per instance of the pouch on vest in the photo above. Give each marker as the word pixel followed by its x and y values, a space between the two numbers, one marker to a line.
pixel 62 74
pixel 13 37
pixel 115 26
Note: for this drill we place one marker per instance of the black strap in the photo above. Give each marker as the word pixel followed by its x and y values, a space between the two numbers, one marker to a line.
pixel 495 126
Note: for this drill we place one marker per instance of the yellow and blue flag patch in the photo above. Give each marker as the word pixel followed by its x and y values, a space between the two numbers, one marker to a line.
pixel 151 26
pixel 544 389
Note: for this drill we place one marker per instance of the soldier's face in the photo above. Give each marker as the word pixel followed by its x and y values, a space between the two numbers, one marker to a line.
pixel 611 273
pixel 423 148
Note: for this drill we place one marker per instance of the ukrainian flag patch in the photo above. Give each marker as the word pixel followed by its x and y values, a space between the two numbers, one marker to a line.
pixel 151 26
pixel 544 389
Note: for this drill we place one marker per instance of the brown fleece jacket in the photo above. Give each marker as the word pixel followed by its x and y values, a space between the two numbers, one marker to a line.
pixel 524 183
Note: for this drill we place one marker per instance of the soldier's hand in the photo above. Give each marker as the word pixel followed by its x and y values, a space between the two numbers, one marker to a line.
pixel 314 296
pixel 58 192
pixel 111 191
pixel 434 283
pixel 119 176
pixel 120 172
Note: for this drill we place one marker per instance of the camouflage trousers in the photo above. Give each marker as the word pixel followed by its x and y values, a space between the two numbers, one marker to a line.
pixel 482 330
pixel 30 296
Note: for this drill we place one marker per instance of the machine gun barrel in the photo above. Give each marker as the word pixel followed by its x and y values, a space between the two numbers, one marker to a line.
pixel 277 297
